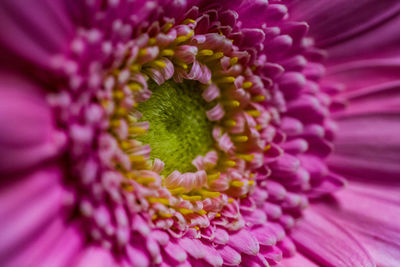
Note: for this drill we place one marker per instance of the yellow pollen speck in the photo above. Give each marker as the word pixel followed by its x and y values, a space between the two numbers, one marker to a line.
pixel 167 52
pixel 164 201
pixel 191 198
pixel 118 94
pixel 185 211
pixel 128 187
pixel 251 182
pixel 145 180
pixel 246 157
pixel 201 212
pixel 213 176
pixel 121 111
pixel 240 138
pixel 115 123
pixel 167 27
pixel 258 127
pixel 181 64
pixel 229 163
pixel 209 194
pixel 254 113
pixel 135 87
pixel 159 63
pixel 232 103
pixel 166 215
pixel 142 52
pixel 137 130
pixel 218 55
pixel 136 158
pixel 229 79
pixel 197 228
pixel 184 38
pixel 154 217
pixel 230 200
pixel 152 41
pixel 125 145
pixel 234 60
pixel 230 123
pixel 188 21
pixel 258 98
pixel 177 191
pixel 205 52
pixel 267 147
pixel 237 183
pixel 218 215
pixel 135 67
pixel 247 85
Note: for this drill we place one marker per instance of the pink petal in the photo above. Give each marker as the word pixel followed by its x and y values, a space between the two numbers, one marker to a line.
pixel 28 212
pixel 96 256
pixel 298 260
pixel 328 243
pixel 342 19
pixel 372 213
pixel 245 242
pixel 27 135
pixel 35 30
pixel 368 147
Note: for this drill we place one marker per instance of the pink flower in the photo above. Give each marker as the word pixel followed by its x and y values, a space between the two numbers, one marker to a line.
pixel 198 133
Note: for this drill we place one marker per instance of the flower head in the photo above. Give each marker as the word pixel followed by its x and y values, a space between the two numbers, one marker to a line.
pixel 168 133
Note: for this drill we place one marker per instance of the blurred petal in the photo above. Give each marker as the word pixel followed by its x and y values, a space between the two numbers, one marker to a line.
pixel 96 256
pixel 27 135
pixel 27 206
pixel 35 30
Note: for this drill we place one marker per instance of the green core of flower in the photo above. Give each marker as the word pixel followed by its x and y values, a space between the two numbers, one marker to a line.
pixel 179 129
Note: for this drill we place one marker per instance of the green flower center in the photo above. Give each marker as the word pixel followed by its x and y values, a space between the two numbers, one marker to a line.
pixel 179 129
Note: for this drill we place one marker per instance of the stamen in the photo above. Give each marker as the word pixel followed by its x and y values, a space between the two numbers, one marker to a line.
pixel 258 98
pixel 254 113
pixel 230 123
pixel 247 85
pixel 240 138
pixel 234 60
pixel 229 163
pixel 228 79
pixel 167 52
pixel 205 52
pixel 191 198
pixel 246 157
pixel 237 183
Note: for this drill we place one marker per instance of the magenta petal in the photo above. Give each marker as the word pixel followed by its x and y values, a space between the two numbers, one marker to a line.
pixel 298 260
pixel 328 243
pixel 27 135
pixel 96 256
pixel 244 242
pixel 368 147
pixel 372 213
pixel 61 254
pixel 335 21
pixel 35 30
pixel 28 206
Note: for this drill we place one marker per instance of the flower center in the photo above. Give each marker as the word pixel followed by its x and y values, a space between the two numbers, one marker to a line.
pixel 179 129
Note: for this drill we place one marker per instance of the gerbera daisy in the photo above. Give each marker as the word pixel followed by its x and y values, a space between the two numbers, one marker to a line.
pixel 197 133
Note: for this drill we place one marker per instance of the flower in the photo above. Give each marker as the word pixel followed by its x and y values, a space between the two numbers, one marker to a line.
pixel 138 133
